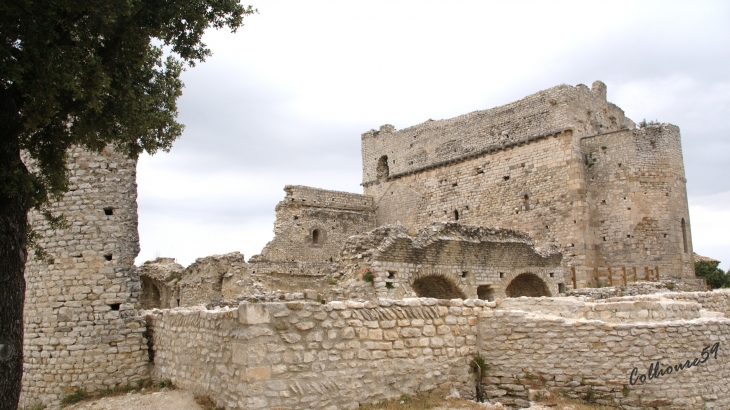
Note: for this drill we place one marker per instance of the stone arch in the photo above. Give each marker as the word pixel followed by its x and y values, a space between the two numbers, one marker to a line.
pixel 527 284
pixel 438 287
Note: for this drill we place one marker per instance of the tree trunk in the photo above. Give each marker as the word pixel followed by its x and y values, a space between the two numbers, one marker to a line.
pixel 14 206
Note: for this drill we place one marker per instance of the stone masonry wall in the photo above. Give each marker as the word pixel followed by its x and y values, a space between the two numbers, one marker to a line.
pixel 297 355
pixel 81 327
pixel 311 226
pixel 638 200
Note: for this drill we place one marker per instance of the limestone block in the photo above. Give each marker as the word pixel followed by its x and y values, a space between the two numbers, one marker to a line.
pixel 253 314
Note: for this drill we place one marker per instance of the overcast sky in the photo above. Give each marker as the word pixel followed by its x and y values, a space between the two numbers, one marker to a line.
pixel 285 99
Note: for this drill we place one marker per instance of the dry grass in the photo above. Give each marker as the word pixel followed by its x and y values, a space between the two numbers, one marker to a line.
pixel 435 400
pixel 206 403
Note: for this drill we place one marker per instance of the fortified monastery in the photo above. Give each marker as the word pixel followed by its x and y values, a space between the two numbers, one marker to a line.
pixel 550 235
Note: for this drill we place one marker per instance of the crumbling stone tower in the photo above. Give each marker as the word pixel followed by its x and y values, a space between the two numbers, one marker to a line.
pixel 81 328
pixel 563 165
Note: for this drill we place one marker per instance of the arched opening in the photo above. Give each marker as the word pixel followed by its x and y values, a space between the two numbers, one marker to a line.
pixel 437 287
pixel 382 171
pixel 526 203
pixel 456 215
pixel 315 236
pixel 485 292
pixel 684 235
pixel 527 284
pixel 150 297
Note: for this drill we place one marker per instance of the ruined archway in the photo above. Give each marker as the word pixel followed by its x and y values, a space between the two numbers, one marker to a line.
pixel 527 284
pixel 437 287
pixel 150 297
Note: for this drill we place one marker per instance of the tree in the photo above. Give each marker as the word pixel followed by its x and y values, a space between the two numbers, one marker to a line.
pixel 715 277
pixel 82 73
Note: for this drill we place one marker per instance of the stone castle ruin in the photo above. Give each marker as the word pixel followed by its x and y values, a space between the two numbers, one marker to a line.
pixel 492 233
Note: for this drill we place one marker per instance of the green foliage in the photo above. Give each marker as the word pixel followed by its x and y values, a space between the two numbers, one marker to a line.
pixel 715 277
pixel 590 394
pixel 643 123
pixel 91 74
pixel 478 364
pixel 74 397
pixel 625 391
pixel 367 276
pixel 389 285
pixel 332 281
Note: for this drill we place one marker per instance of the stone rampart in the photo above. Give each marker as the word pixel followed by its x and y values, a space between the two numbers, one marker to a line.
pixel 81 323
pixel 297 355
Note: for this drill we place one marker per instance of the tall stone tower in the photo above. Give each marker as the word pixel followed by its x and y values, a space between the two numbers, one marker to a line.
pixel 81 329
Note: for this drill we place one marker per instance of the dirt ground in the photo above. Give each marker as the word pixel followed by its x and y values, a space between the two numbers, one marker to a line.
pixel 181 400
pixel 160 400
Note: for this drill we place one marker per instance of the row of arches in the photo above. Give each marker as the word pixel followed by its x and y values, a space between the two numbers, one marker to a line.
pixel 439 287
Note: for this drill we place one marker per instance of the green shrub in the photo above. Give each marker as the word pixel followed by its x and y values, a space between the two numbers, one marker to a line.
pixel 715 277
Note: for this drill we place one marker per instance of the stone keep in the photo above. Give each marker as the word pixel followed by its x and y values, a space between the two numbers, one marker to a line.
pixel 563 165
pixel 81 323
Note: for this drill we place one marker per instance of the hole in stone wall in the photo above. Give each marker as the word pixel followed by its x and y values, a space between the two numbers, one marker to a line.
pixel 684 235
pixel 603 202
pixel 391 274
pixel 561 287
pixel 526 203
pixel 464 273
pixel 437 287
pixel 382 171
pixel 114 306
pixel 501 275
pixel 485 292
pixel 108 211
pixel 604 239
pixel 527 284
pixel 315 236
pixel 108 256
pixel 455 184
pixel 552 274
pixel 506 177
pixel 456 215
pixel 296 217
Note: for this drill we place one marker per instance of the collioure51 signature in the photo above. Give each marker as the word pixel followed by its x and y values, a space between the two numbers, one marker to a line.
pixel 657 370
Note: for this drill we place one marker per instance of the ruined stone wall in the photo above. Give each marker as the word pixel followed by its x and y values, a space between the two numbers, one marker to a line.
pixel 297 355
pixel 311 227
pixel 434 142
pixel 638 200
pixel 308 355
pixel 595 358
pixel 204 280
pixel 159 283
pixel 450 260
pixel 81 328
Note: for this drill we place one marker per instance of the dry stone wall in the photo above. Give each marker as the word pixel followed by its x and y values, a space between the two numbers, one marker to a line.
pixel 81 326
pixel 297 355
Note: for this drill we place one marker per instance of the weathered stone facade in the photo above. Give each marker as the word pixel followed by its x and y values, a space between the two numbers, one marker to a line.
pixel 159 282
pixel 82 326
pixel 563 165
